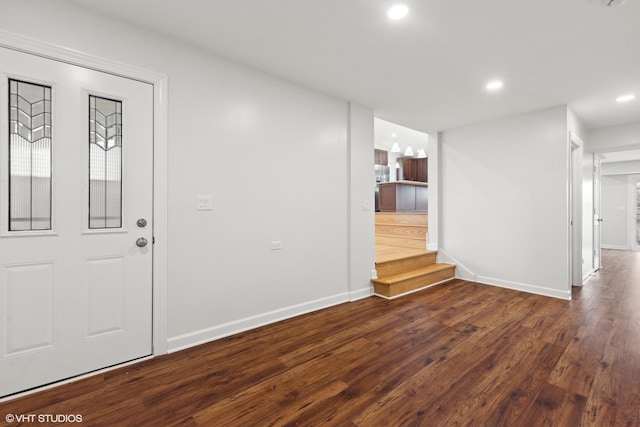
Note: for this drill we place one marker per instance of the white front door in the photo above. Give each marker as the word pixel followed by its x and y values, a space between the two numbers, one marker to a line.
pixel 76 175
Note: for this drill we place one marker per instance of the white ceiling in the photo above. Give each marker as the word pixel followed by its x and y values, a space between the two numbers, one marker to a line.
pixel 427 71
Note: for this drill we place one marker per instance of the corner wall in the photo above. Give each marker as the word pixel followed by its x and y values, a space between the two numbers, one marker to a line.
pixel 577 128
pixel 504 201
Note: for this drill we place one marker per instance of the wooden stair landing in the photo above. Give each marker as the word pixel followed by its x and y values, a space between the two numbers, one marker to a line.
pixel 397 277
pixel 403 264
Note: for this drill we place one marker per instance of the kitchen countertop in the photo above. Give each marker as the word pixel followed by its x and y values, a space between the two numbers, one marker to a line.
pixel 416 183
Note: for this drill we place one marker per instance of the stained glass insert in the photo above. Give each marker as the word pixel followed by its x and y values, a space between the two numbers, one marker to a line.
pixel 105 163
pixel 29 156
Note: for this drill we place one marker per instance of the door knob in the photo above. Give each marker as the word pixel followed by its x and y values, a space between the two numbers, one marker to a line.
pixel 141 242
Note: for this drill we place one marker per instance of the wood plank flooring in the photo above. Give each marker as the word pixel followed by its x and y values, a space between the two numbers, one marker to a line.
pixel 462 354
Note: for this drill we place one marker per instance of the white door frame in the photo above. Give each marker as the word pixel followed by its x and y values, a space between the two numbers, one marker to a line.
pixel 575 147
pixel 160 145
pixel 597 212
pixel 632 208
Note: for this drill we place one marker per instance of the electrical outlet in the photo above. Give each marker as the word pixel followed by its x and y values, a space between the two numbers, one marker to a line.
pixel 204 203
pixel 276 245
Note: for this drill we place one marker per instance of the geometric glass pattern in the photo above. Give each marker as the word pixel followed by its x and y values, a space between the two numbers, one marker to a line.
pixel 29 156
pixel 105 163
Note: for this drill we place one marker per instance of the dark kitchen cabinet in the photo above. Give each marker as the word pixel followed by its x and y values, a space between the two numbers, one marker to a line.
pixel 381 157
pixel 414 169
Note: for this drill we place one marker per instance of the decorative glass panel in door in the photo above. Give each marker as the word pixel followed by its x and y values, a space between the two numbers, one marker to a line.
pixel 29 156
pixel 105 163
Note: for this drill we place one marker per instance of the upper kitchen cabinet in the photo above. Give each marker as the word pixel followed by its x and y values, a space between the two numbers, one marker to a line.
pixel 414 169
pixel 381 157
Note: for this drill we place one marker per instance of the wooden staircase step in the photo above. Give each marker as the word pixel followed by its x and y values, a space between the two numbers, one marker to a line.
pixel 406 263
pixel 410 281
pixel 401 242
pixel 402 218
pixel 418 232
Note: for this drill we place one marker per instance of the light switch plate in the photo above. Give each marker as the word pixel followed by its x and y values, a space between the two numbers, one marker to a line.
pixel 204 203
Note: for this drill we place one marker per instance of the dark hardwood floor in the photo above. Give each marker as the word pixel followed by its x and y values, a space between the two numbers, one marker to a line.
pixel 457 354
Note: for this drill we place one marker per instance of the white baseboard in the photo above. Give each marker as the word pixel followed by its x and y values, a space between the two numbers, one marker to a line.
pixel 588 276
pixel 462 272
pixel 203 336
pixel 621 248
pixel 361 293
pixel 524 287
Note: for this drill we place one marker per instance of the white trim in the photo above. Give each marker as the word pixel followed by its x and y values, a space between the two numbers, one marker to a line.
pixel 434 191
pixel 588 276
pixel 574 209
pixel 360 294
pixel 524 287
pixel 203 336
pixel 632 190
pixel 596 212
pixel 160 141
pixel 160 215
pixel 416 290
pixel 74 57
pixel 617 248
pixel 462 272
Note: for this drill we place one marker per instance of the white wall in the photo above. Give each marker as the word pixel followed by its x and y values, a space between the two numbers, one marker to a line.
pixel 503 206
pixel 621 168
pixel 362 188
pixel 576 127
pixel 282 162
pixel 615 212
pixel 614 138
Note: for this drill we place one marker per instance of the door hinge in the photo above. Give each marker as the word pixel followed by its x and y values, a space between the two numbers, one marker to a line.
pixel 153 240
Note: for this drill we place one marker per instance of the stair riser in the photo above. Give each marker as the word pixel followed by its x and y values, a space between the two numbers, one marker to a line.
pixel 390 268
pixel 408 232
pixel 401 218
pixel 414 283
pixel 401 243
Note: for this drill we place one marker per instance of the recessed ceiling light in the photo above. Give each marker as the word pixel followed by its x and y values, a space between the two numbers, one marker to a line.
pixel 625 98
pixel 398 11
pixel 495 85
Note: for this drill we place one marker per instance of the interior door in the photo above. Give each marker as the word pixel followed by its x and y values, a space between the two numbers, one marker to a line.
pixel 76 153
pixel 597 219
